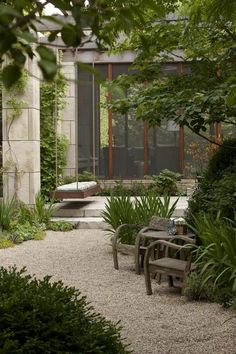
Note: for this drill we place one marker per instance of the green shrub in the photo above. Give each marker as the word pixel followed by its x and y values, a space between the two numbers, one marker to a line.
pixel 136 189
pixel 25 213
pixel 53 147
pixel 165 182
pixel 7 212
pixel 43 211
pixel 38 316
pixel 5 241
pixel 25 232
pixel 223 198
pixel 118 211
pixel 195 289
pixel 85 176
pixel 60 226
pixel 215 257
pixel 136 211
pixel 216 190
pixel 162 184
pixel 224 158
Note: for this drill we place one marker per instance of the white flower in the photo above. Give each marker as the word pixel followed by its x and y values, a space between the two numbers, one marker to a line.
pixel 180 221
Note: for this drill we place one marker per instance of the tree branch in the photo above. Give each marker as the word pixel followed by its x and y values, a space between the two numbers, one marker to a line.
pixel 25 19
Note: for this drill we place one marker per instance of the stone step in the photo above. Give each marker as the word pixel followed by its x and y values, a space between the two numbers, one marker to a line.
pixel 84 222
pixel 72 210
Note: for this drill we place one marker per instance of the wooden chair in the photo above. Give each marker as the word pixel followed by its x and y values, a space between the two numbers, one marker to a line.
pixel 156 230
pixel 141 240
pixel 176 262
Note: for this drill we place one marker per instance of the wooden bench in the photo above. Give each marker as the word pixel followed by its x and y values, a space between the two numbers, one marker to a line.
pixel 76 190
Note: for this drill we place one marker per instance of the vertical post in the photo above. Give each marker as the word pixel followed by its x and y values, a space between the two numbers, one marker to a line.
pixel 21 140
pixel 181 131
pixel 218 132
pixel 94 128
pixel 181 150
pixel 145 148
pixel 110 143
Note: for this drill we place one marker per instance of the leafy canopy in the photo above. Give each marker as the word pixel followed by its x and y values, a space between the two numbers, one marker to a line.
pixel 21 19
pixel 200 38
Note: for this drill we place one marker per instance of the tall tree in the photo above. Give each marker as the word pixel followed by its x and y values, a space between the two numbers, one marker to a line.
pixel 19 21
pixel 204 41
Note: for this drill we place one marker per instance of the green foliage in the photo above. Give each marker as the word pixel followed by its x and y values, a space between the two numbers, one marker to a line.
pixel 38 316
pixel 223 159
pixel 40 214
pixel 85 176
pixel 106 22
pixel 43 211
pixel 138 211
pixel 5 241
pixel 215 256
pixel 165 182
pixel 201 89
pixel 118 211
pixel 60 226
pixel 23 223
pixel 136 189
pixel 7 211
pixel 216 189
pixel 24 232
pixel 162 184
pixel 196 290
pixel 53 147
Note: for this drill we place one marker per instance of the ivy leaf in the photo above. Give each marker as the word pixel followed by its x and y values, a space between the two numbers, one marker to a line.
pixel 70 35
pixel 52 36
pixel 46 53
pixel 231 98
pixel 6 11
pixel 18 56
pixel 49 69
pixel 27 37
pixel 10 75
pixel 7 41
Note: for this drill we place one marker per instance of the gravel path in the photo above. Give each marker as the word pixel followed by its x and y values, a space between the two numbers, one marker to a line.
pixel 159 324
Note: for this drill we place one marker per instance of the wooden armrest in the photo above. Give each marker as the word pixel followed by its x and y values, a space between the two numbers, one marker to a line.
pixel 183 238
pixel 166 244
pixel 144 229
pixel 120 228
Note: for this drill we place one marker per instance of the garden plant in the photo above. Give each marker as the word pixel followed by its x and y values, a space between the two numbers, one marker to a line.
pixel 136 211
pixel 216 189
pixel 215 259
pixel 39 316
pixel 20 222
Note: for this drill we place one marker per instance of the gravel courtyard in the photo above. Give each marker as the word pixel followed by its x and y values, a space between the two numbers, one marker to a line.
pixel 159 324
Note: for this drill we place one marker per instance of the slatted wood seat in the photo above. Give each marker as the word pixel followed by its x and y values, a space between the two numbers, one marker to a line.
pixel 76 190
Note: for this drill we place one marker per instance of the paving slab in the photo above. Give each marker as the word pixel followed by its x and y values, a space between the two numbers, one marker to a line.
pixel 93 207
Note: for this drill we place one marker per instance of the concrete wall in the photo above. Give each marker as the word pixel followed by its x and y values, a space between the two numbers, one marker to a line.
pixel 21 141
pixel 69 117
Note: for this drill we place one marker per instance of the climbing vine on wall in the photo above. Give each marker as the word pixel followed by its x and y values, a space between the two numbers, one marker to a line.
pixel 15 104
pixel 53 146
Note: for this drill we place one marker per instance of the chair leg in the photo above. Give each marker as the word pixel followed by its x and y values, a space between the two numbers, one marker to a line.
pixel 158 278
pixel 170 281
pixel 115 257
pixel 142 260
pixel 147 280
pixel 137 254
